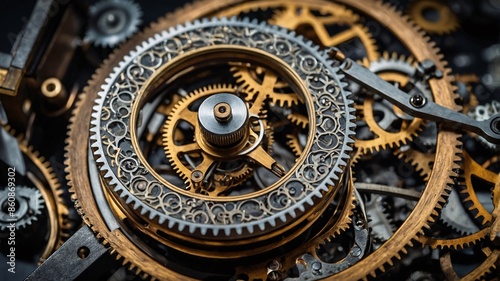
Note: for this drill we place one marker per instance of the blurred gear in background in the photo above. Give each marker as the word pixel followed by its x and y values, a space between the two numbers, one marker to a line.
pixel 250 140
pixel 111 22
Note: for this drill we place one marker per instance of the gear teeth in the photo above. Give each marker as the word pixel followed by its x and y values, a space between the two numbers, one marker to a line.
pixel 455 243
pixel 298 119
pixel 384 140
pixel 294 144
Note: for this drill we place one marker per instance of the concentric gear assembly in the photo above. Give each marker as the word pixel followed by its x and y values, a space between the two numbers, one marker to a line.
pixel 267 92
pixel 112 22
pixel 225 129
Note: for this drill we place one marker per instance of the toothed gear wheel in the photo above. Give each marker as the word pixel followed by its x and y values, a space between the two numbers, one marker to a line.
pixel 228 172
pixel 284 194
pixel 119 132
pixel 394 127
pixel 111 22
pixel 381 225
pixel 28 206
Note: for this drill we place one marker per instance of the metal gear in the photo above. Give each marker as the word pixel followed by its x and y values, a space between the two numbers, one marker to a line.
pixel 228 172
pixel 381 225
pixel 29 205
pixel 471 172
pixel 433 16
pixel 116 161
pixel 111 22
pixel 397 69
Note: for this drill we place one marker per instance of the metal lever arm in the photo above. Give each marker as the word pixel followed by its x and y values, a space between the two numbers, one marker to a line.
pixel 418 106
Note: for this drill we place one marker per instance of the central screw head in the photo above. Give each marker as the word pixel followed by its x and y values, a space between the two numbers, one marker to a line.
pixel 222 112
pixel 418 100
pixel 223 119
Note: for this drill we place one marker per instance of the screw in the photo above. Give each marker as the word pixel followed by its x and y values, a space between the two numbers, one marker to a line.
pixel 336 54
pixel 197 177
pixel 495 125
pixel 316 266
pixel 418 100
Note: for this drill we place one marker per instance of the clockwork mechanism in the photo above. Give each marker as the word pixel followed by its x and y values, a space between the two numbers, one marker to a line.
pixel 253 140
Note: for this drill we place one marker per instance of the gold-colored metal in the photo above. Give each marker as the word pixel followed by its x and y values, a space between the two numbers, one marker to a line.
pixel 222 111
pixel 472 171
pixel 221 182
pixel 382 138
pixel 3 74
pixel 434 16
pixel 54 92
pixel 302 16
pixel 52 88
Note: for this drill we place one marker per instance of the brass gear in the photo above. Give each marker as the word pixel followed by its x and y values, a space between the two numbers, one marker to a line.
pixel 426 208
pixel 422 161
pixel 392 68
pixel 487 266
pixel 222 180
pixel 471 171
pixel 249 80
pixel 294 144
pixel 311 18
pixel 433 16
